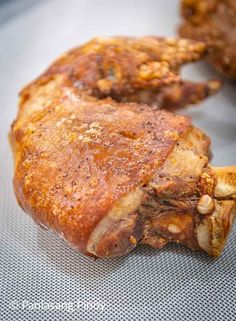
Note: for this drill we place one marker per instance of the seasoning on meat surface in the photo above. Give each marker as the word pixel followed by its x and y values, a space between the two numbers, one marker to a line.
pixel 107 174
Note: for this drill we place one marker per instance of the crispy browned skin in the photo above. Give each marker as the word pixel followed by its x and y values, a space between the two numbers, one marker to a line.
pixel 143 70
pixel 214 22
pixel 89 168
pixel 76 159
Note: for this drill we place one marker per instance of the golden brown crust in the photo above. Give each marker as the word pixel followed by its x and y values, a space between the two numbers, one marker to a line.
pixel 75 159
pixel 214 22
pixel 143 70
pixel 84 162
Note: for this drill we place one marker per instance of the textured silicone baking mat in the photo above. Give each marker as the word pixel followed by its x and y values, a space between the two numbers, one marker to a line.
pixel 41 278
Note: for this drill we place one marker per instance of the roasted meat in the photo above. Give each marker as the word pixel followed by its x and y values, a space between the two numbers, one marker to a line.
pixel 107 175
pixel 143 70
pixel 214 22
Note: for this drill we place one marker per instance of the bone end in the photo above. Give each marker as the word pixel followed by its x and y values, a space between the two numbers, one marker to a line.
pixel 226 182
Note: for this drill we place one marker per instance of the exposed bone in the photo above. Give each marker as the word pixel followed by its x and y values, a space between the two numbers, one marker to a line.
pixel 226 182
pixel 213 231
pixel 204 235
pixel 205 205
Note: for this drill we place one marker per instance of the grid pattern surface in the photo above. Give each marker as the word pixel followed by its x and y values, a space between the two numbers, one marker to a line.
pixel 41 277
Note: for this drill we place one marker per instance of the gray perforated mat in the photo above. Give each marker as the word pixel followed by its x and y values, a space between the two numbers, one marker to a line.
pixel 41 278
